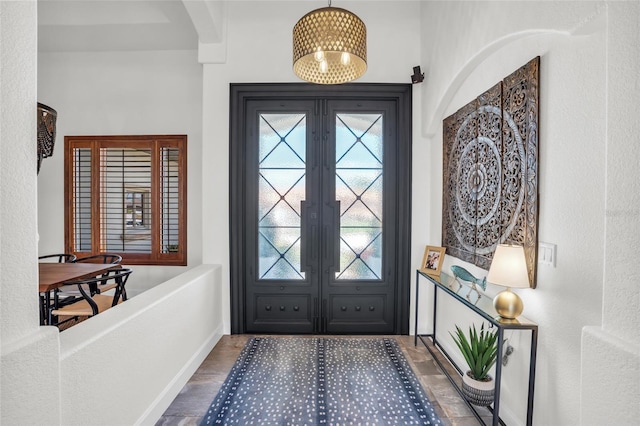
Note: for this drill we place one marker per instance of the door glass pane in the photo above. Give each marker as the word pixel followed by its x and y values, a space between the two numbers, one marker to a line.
pixel 281 188
pixel 359 163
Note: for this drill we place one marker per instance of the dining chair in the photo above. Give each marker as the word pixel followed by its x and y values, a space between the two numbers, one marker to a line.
pixel 68 294
pixel 61 257
pixel 92 301
pixel 53 258
pixel 100 258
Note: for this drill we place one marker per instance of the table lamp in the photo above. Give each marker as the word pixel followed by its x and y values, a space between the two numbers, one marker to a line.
pixel 508 269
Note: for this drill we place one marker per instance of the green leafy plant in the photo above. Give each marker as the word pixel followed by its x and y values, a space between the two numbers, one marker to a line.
pixel 479 350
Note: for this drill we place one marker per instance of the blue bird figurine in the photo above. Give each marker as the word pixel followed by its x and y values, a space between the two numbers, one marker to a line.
pixel 462 274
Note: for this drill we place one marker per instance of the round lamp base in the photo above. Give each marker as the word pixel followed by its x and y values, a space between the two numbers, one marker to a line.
pixel 508 304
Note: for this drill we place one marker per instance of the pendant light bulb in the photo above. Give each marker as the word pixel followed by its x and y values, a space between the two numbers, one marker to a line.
pixel 345 58
pixel 324 66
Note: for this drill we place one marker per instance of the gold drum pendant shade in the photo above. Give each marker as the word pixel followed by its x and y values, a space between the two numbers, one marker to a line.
pixel 329 46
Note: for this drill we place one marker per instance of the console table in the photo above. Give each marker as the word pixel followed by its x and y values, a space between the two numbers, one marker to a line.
pixel 461 292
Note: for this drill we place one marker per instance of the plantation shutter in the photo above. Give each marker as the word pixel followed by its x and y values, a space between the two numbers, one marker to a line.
pixel 125 190
pixel 170 200
pixel 82 209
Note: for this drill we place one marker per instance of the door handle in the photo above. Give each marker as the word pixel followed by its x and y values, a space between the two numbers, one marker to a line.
pixel 314 245
pixel 336 236
pixel 308 237
pixel 316 316
pixel 303 236
pixel 332 247
pixel 325 321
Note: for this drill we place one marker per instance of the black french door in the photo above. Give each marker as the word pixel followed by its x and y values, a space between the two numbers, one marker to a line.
pixel 322 185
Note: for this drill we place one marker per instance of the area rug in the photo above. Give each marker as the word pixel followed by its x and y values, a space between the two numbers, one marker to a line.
pixel 321 381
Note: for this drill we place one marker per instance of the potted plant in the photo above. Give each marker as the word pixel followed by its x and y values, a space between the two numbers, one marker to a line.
pixel 480 351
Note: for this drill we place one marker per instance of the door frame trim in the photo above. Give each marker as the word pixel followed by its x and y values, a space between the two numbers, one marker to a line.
pixel 240 93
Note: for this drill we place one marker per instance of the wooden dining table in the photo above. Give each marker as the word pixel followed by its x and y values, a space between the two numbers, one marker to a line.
pixel 55 275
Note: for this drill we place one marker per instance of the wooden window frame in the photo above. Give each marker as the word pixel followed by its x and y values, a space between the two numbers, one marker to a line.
pixel 155 143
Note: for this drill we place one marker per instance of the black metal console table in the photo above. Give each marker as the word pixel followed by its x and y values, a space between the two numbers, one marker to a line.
pixel 483 306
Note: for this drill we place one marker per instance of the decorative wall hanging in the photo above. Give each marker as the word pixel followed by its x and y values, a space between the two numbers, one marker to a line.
pixel 490 193
pixel 46 132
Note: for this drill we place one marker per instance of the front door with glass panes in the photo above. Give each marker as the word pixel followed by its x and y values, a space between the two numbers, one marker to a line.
pixel 320 216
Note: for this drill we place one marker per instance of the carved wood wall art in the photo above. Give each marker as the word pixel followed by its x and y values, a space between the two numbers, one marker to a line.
pixel 490 193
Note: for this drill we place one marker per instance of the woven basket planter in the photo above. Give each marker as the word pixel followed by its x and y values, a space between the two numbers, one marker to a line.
pixel 477 392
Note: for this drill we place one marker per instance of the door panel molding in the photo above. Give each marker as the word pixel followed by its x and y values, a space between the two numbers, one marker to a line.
pixel 309 311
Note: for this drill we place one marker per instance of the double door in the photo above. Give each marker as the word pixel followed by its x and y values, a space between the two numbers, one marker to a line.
pixel 320 216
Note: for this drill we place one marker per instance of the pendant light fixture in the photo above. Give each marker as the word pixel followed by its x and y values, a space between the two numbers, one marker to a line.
pixel 329 46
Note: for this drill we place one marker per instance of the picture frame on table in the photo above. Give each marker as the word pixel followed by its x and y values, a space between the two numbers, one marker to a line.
pixel 432 260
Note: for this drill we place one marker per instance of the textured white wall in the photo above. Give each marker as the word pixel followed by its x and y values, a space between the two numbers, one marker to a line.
pixel 622 294
pixel 467 47
pixel 29 354
pixel 17 149
pixel 616 344
pixel 121 93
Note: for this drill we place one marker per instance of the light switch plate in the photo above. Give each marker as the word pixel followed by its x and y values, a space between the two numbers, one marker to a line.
pixel 547 254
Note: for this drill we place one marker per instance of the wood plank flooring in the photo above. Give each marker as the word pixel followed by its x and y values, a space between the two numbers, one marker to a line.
pixel 192 402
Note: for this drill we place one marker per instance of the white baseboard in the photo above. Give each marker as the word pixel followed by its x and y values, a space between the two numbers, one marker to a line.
pixel 166 397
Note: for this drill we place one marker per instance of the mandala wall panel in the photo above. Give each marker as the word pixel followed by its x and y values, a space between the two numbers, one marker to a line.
pixel 459 223
pixel 491 172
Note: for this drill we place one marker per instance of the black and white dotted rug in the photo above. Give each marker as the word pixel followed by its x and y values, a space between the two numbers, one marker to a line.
pixel 321 381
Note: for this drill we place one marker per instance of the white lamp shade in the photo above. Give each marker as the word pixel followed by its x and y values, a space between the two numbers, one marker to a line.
pixel 509 267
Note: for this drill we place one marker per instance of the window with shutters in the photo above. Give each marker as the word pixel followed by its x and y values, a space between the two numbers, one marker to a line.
pixel 127 195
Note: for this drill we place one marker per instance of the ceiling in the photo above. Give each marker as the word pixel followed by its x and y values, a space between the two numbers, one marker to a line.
pixel 114 25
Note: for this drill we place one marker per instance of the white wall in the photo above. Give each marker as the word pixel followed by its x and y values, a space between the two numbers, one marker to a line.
pixel 616 343
pixel 28 365
pixel 126 365
pixel 121 93
pixel 467 47
pixel 259 49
